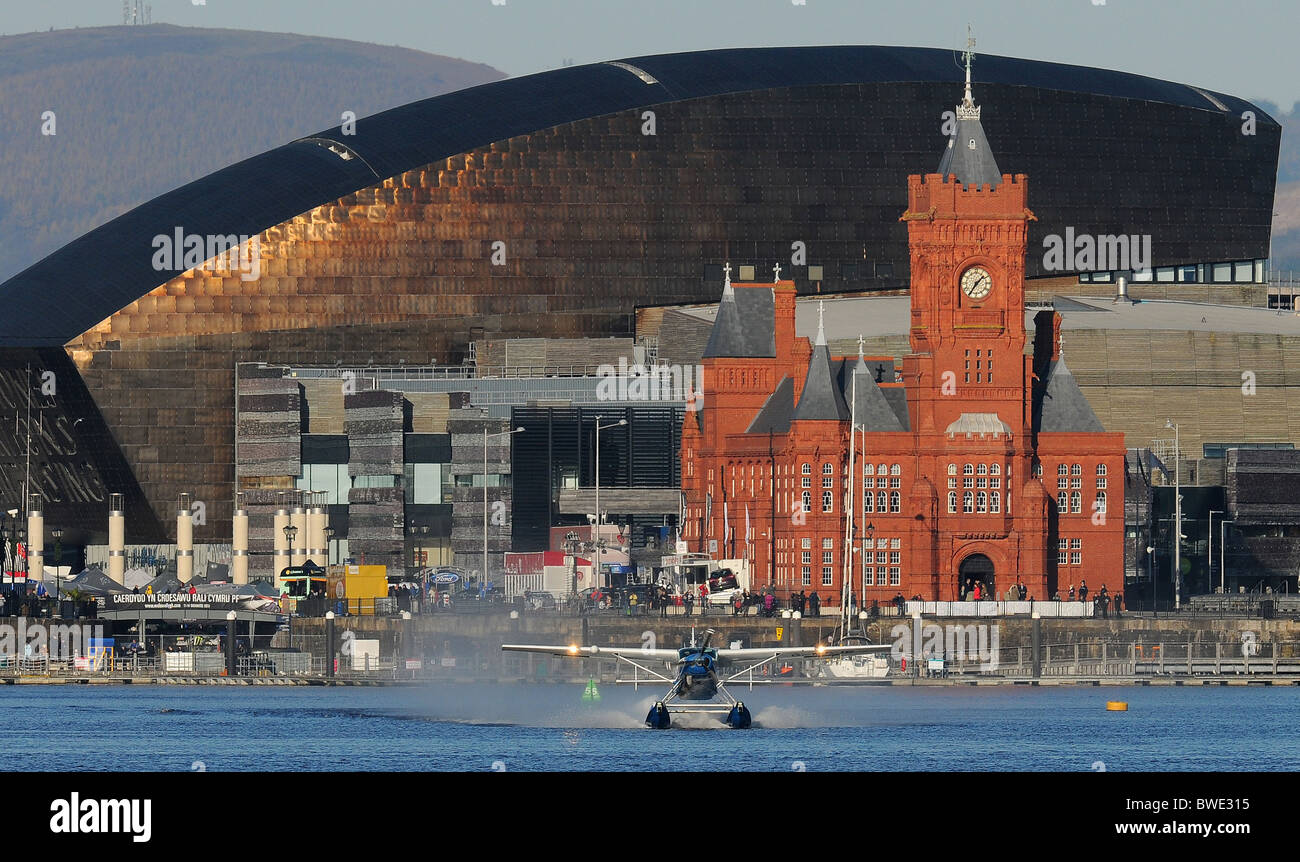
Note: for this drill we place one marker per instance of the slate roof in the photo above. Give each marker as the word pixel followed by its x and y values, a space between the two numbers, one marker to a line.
pixel 972 164
pixel 867 404
pixel 1060 405
pixel 777 410
pixel 822 397
pixel 727 338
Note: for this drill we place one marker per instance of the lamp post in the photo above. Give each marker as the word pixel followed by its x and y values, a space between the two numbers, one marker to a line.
pixel 1223 545
pixel 1178 519
pixel 329 545
pixel 1210 554
pixel 871 531
pixel 57 533
pixel 290 532
pixel 482 584
pixel 1151 577
pixel 598 543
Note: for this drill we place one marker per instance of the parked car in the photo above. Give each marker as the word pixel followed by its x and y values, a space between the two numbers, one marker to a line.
pixel 539 601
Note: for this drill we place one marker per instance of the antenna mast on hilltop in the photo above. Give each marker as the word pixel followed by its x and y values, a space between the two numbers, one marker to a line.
pixel 136 12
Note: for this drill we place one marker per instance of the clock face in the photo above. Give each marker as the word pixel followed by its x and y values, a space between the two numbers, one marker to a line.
pixel 976 282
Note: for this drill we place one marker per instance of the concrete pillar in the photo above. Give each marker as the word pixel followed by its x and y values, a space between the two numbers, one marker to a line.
pixel 117 538
pixel 239 543
pixel 316 547
pixel 281 545
pixel 329 644
pixel 231 668
pixel 1037 645
pixel 35 539
pixel 297 552
pixel 184 540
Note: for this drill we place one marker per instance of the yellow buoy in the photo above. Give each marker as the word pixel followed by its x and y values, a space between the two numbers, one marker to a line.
pixel 1116 706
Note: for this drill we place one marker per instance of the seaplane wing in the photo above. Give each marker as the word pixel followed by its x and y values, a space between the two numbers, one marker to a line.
pixel 573 650
pixel 796 652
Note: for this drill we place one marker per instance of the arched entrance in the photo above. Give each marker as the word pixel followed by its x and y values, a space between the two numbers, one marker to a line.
pixel 976 569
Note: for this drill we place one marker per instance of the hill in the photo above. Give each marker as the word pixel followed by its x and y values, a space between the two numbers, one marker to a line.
pixel 142 110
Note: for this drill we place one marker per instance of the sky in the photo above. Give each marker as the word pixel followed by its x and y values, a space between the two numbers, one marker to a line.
pixel 1245 48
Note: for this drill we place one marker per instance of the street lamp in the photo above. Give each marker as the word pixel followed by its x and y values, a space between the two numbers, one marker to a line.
pixel 329 546
pixel 871 531
pixel 600 428
pixel 57 533
pixel 1223 545
pixel 482 584
pixel 290 532
pixel 1210 554
pixel 1178 519
pixel 1151 577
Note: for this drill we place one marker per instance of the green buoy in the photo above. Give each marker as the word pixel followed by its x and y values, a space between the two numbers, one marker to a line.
pixel 591 693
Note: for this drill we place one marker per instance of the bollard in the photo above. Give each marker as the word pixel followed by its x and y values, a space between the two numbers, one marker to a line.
pixel 230 644
pixel 329 644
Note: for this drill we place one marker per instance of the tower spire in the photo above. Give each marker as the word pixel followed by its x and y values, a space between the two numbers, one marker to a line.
pixel 968 56
pixel 821 328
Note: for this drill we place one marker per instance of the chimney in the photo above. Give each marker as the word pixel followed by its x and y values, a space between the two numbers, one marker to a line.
pixel 1121 288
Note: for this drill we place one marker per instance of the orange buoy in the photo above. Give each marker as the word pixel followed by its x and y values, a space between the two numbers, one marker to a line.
pixel 1116 706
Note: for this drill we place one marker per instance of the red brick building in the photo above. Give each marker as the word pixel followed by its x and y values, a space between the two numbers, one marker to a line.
pixel 980 462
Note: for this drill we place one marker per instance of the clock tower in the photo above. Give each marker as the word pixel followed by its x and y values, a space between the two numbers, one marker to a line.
pixel 967 227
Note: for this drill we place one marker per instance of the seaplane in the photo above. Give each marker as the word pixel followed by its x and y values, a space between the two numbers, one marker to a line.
pixel 698 685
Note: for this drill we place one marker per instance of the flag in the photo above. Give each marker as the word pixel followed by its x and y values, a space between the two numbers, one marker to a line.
pixel 726 526
pixel 748 552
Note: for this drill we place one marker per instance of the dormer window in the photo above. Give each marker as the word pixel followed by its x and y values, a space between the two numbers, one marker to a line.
pixel 971 145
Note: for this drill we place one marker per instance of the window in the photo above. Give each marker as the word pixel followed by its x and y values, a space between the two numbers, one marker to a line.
pixel 828 543
pixel 896 469
pixel 1076 470
pixel 895 501
pixel 1062 482
pixel 981 481
pixel 996 469
pixel 1076 482
pixel 952 481
pixel 895 543
pixel 882 557
pixel 1101 469
pixel 828 481
pixel 1076 502
pixel 1063 501
pixel 828 576
pixel 807 557
pixel 1076 558
pixel 868 482
pixel 894 576
pixel 952 501
pixel 807 470
pixel 1062 544
pixel 1101 481
pixel 982 470
pixel 807 576
pixel 952 469
pixel 1062 558
pixel 895 557
pixel 807 501
pixel 968 481
pixel 1062 470
pixel 828 469
pixel 828 558
pixel 807 481
pixel 868 576
pixel 868 469
pixel 807 543
pixel 1100 505
pixel 995 481
pixel 895 482
pixel 882 469
pixel 882 502
pixel 968 502
pixel 828 501
pixel 1036 471
pixel 981 502
pixel 968 470
pixel 868 502
pixel 1076 544
pixel 995 503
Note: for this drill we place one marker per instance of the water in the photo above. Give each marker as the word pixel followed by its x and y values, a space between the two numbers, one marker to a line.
pixel 547 727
